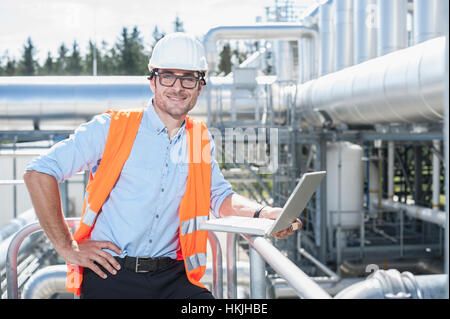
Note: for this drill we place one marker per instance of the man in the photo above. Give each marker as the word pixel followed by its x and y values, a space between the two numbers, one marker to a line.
pixel 139 235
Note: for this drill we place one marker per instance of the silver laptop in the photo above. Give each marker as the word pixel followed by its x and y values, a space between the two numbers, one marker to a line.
pixel 266 227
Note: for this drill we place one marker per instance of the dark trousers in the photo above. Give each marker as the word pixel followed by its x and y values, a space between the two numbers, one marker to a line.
pixel 168 283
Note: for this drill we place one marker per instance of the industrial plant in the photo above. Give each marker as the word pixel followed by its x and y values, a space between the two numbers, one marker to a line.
pixel 356 88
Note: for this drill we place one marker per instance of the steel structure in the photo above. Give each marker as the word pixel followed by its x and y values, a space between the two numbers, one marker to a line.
pixel 353 83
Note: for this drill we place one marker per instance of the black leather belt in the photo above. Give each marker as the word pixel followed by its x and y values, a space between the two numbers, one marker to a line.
pixel 145 264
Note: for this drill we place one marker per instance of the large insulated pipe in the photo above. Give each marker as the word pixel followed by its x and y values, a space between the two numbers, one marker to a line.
pixel 364 30
pixel 14 225
pixel 392 30
pixel 307 59
pixel 429 19
pixel 343 23
pixel 405 86
pixel 46 282
pixel 392 284
pixel 273 31
pixel 284 61
pixel 326 38
pixel 70 96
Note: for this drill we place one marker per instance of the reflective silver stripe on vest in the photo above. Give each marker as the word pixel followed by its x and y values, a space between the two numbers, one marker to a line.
pixel 191 225
pixel 195 261
pixel 89 216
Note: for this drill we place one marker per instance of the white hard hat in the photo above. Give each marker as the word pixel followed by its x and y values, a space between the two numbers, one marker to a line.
pixel 178 50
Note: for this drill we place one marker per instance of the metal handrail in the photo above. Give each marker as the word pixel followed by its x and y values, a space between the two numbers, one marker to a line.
pixel 261 251
pixel 301 282
pixel 24 232
pixel 13 249
pixel 217 287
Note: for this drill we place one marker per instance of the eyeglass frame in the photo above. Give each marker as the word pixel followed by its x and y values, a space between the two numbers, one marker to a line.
pixel 156 72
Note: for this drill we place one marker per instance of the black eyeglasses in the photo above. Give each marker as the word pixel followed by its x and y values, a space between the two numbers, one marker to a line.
pixel 168 79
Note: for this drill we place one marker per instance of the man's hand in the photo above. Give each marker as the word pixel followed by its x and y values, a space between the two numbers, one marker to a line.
pixel 88 253
pixel 273 213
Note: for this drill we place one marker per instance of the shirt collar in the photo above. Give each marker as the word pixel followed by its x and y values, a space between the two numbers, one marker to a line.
pixel 155 123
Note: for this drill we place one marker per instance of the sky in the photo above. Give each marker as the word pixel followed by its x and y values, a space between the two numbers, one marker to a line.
pixel 52 22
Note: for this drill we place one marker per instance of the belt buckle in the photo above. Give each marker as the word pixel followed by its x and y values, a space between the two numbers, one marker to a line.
pixel 137 265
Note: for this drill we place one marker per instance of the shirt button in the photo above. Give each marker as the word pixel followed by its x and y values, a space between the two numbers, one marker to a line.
pixel 150 241
pixel 162 190
pixel 157 216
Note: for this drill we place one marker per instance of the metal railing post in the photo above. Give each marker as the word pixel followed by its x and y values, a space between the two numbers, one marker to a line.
pixel 217 289
pixel 297 279
pixel 257 274
pixel 231 266
pixel 13 249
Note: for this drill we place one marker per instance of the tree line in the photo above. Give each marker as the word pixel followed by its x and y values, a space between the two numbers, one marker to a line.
pixel 127 56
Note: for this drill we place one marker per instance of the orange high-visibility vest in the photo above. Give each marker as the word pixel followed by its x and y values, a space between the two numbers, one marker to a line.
pixel 194 206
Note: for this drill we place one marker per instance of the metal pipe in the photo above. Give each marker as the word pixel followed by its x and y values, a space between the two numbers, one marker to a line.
pixel 429 19
pixel 333 277
pixel 402 87
pixel 302 283
pixel 217 290
pixel 65 102
pixel 257 275
pixel 307 65
pixel 326 36
pixel 70 96
pixel 273 31
pixel 392 31
pixel 231 266
pixel 392 284
pixel 284 60
pixel 390 170
pixel 13 249
pixel 364 30
pixel 46 282
pixel 413 211
pixel 343 24
pixel 14 225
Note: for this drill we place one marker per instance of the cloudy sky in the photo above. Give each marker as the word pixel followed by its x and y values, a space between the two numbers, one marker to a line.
pixel 51 22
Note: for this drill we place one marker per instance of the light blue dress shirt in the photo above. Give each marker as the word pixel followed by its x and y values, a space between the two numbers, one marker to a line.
pixel 140 215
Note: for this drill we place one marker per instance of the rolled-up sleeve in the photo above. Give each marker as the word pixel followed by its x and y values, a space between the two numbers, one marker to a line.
pixel 81 151
pixel 220 188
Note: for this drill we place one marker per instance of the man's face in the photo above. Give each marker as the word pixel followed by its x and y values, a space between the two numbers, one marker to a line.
pixel 175 101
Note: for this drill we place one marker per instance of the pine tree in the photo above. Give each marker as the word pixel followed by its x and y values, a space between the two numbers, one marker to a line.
pixel 61 61
pixel 2 68
pixel 89 59
pixel 11 67
pixel 130 51
pixel 107 60
pixel 225 60
pixel 49 65
pixel 138 50
pixel 28 64
pixel 157 35
pixel 74 60
pixel 178 25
